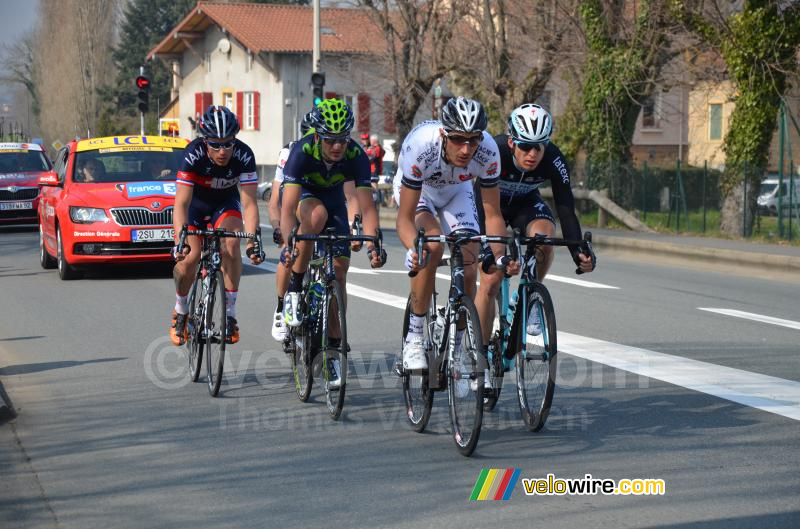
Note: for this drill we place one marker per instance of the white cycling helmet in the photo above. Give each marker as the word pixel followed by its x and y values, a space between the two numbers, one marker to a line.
pixel 530 123
pixel 463 115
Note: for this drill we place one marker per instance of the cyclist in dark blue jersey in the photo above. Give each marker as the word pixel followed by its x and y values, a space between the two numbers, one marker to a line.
pixel 529 160
pixel 314 176
pixel 215 166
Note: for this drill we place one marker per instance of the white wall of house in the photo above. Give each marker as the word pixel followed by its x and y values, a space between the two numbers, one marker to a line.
pixel 204 68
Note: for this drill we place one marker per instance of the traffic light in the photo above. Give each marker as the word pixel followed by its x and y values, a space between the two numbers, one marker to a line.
pixel 318 83
pixel 143 84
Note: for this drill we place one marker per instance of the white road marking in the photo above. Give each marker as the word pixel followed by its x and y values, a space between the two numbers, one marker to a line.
pixel 754 317
pixel 578 282
pixel 767 393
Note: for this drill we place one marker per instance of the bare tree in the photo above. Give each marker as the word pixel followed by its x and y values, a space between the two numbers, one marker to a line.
pixel 515 48
pixel 72 57
pixel 18 61
pixel 418 34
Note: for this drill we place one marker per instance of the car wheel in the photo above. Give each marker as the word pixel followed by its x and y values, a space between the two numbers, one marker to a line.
pixel 45 259
pixel 65 270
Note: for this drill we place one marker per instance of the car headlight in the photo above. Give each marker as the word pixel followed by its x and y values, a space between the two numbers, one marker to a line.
pixel 83 215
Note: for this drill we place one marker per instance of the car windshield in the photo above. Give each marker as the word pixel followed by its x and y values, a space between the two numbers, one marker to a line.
pixel 127 166
pixel 767 189
pixel 21 161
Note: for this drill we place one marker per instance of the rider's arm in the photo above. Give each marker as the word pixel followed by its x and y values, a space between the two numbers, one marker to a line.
pixel 291 197
pixel 406 229
pixel 274 208
pixel 565 202
pixel 353 207
pixel 180 211
pixel 495 225
pixel 249 210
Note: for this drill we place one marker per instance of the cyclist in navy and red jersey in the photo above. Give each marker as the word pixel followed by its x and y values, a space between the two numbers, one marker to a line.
pixel 214 167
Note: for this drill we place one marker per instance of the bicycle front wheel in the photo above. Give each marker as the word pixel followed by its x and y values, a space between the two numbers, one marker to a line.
pixel 300 350
pixel 497 344
pixel 215 334
pixel 416 390
pixel 465 378
pixel 334 352
pixel 194 328
pixel 536 357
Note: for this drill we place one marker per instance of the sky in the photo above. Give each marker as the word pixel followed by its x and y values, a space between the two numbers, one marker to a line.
pixel 16 17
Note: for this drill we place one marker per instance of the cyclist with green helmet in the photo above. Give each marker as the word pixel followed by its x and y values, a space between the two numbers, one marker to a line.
pixel 314 176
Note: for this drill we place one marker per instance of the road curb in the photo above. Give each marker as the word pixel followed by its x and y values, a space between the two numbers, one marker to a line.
pixel 782 263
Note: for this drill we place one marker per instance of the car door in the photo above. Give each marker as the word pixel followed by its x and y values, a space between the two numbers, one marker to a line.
pixel 50 197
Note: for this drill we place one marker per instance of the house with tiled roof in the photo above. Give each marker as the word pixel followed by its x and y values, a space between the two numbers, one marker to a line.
pixel 257 60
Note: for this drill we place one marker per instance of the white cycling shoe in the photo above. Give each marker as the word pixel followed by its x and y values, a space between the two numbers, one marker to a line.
pixel 414 354
pixel 291 309
pixel 278 328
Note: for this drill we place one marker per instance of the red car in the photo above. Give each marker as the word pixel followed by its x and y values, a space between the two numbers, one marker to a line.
pixel 109 200
pixel 21 165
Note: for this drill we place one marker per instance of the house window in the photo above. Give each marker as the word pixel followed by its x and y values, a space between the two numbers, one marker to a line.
pixel 651 111
pixel 715 122
pixel 227 99
pixel 247 109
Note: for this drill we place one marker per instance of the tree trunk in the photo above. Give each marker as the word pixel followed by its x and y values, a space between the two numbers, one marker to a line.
pixel 738 212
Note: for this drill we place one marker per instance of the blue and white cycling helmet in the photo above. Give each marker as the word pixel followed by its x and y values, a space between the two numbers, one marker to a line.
pixel 530 123
pixel 218 122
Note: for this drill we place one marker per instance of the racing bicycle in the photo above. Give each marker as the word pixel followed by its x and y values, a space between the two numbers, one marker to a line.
pixel 206 321
pixel 453 347
pixel 318 346
pixel 533 356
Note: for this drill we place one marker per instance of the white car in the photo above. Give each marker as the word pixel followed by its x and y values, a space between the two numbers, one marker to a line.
pixel 264 190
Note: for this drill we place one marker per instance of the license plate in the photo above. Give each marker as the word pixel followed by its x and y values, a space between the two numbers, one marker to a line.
pixel 158 234
pixel 4 206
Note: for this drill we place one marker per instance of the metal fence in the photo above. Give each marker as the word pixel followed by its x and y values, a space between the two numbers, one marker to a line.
pixel 688 199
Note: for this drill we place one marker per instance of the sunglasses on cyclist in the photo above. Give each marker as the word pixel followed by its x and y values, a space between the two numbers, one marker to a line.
pixel 458 139
pixel 526 147
pixel 332 140
pixel 215 145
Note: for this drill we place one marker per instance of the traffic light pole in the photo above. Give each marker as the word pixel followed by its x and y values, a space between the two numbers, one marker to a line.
pixel 316 51
pixel 141 114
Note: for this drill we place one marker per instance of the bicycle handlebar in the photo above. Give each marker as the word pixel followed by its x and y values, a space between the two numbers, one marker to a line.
pixel 460 239
pixel 216 232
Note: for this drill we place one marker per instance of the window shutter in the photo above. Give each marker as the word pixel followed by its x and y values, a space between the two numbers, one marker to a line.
pixel 389 125
pixel 208 100
pixel 240 108
pixel 198 104
pixel 363 112
pixel 256 112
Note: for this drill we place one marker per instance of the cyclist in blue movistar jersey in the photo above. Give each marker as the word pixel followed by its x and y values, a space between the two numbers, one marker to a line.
pixel 314 177
pixel 207 193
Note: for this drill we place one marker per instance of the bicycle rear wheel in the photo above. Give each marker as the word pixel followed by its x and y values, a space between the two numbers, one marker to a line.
pixel 466 380
pixel 335 358
pixel 497 344
pixel 215 334
pixel 536 359
pixel 194 328
pixel 301 353
pixel 416 390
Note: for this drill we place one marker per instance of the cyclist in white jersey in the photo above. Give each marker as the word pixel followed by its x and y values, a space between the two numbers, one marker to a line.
pixel 437 165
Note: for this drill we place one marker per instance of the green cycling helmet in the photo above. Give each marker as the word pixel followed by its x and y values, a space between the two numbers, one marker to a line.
pixel 332 117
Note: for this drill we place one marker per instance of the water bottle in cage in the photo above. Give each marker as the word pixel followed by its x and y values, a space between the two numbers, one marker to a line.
pixel 438 326
pixel 512 306
pixel 315 291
